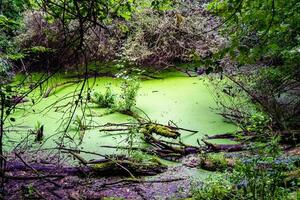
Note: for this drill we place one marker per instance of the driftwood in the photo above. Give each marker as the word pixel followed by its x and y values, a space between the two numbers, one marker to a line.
pixel 172 150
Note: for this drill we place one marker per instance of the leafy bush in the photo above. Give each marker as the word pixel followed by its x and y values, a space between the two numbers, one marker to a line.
pixel 259 176
pixel 106 100
pixel 260 29
pixel 13 9
pixel 129 89
pixel 263 49
pixel 9 29
pixel 216 161
pixel 121 103
pixel 175 36
pixel 258 123
pixel 48 42
pixel 145 33
pixel 216 188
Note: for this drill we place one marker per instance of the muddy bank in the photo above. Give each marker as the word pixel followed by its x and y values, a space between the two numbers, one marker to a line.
pixel 175 182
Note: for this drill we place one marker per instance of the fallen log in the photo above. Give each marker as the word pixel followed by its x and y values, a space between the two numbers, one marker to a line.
pixel 169 151
pixel 211 164
pixel 103 168
pixel 70 171
pixel 221 136
pixel 162 130
pixel 231 136
pixel 223 147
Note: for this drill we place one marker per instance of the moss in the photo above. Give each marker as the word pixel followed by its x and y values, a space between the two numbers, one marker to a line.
pixel 216 162
pixel 163 131
pixel 104 165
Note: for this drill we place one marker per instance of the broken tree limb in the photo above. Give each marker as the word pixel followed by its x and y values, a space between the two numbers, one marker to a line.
pixel 221 136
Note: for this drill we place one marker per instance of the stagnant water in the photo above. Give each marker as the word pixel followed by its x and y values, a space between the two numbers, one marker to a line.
pixel 184 100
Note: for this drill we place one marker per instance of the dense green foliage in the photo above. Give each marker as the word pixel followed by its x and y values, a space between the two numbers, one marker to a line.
pixel 259 176
pixel 255 44
pixel 11 16
pixel 264 46
pixel 267 30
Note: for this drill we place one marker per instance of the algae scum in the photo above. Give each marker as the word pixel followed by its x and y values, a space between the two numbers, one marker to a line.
pixel 186 101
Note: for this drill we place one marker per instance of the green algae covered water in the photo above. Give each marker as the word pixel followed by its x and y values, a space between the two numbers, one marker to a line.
pixel 186 101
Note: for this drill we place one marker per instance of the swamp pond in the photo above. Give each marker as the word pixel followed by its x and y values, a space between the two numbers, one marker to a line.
pixel 186 101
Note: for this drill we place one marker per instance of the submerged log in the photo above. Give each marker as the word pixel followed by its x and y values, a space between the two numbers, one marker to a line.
pixel 50 89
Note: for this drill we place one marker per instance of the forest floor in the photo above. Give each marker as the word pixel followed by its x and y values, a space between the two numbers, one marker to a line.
pixel 45 179
pixel 175 183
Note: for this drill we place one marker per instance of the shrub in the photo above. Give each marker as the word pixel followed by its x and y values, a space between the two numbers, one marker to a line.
pixel 174 36
pixel 264 47
pixel 129 89
pixel 259 176
pixel 47 42
pixel 106 100
pixel 120 103
pixel 216 188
